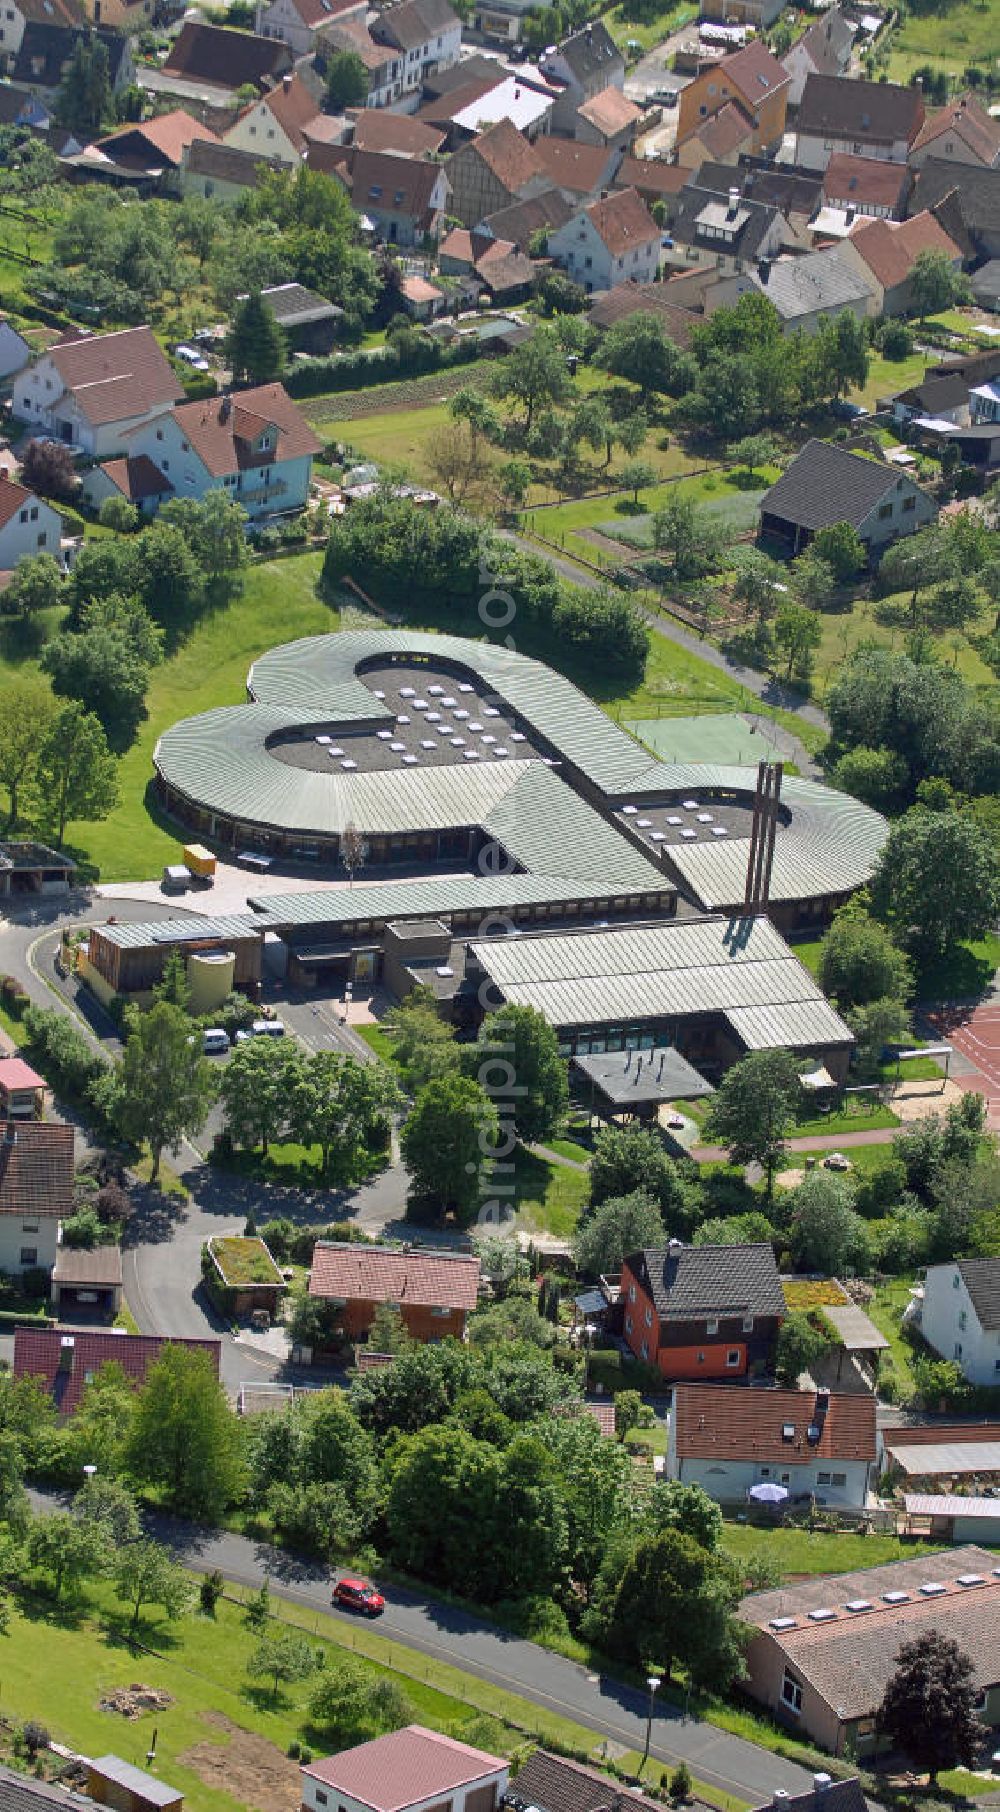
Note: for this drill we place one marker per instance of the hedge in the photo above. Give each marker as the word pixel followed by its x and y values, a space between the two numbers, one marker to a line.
pixel 414 355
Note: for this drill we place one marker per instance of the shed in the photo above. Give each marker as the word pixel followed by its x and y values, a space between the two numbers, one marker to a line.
pixel 952 1518
pixel 112 1782
pixel 631 1085
pixel 88 1280
pixel 242 1275
pixel 22 1090
pixel 858 1336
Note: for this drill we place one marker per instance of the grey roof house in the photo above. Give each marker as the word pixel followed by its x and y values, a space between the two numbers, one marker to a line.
pixel 805 289
pixel 867 119
pixel 702 1312
pixel 309 322
pixel 960 1316
pixel 973 192
pixel 826 484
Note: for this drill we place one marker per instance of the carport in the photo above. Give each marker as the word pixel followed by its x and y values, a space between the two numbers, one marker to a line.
pixel 88 1284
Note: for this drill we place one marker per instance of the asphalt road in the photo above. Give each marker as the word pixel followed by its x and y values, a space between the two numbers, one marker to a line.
pixel 421 1622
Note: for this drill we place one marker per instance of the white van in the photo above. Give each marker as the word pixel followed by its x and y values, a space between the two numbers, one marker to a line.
pixel 214 1041
pixel 268 1028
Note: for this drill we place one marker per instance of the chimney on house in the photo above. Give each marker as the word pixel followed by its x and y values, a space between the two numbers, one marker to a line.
pixel 67 1353
pixel 286 83
pixel 225 407
pixel 734 202
pixel 763 269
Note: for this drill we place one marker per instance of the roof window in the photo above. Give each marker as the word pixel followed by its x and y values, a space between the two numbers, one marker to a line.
pixel 782 1623
pixel 823 1615
pixel 858 1604
pixel 968 1579
pixel 788 1431
pixel 895 1597
pixel 932 1588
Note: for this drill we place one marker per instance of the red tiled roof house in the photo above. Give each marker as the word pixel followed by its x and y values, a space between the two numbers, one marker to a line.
pixel 256 445
pixel 66 1360
pixel 36 1192
pixel 814 1442
pixel 702 1312
pixel 22 1090
pixel 611 242
pixel 433 1291
pixel 92 389
pixel 410 1770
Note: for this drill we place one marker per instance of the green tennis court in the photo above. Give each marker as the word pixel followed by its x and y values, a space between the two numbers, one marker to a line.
pixel 719 736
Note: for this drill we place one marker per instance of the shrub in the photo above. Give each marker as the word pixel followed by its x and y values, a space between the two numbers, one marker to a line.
pixel 34 1736
pixel 210 1591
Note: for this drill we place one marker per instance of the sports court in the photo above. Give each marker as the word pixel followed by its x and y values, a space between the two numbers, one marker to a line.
pixel 720 736
pixel 975 1033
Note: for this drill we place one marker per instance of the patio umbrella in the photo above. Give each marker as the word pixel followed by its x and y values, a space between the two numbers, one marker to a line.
pixel 768 1494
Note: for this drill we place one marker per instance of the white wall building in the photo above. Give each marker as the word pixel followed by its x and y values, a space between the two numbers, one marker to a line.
pixel 610 242
pixel 807 1442
pixel 410 1770
pixel 27 525
pixel 90 392
pixel 960 1316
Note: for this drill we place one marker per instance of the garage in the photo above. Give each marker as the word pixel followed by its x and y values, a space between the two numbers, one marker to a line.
pixel 87 1286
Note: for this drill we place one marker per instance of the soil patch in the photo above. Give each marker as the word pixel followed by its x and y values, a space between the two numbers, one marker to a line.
pixel 247 1767
pixel 134 1701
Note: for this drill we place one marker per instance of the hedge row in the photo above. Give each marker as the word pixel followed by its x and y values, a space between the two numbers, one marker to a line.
pixel 409 355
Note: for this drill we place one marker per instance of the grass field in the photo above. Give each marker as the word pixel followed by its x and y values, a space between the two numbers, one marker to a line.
pixel 845 630
pixel 549 1196
pixel 804 1551
pixel 279 602
pixel 624 30
pixel 886 1311
pixel 951 37
pixel 886 376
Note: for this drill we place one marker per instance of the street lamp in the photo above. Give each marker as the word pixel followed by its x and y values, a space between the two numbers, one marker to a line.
pixel 653 1681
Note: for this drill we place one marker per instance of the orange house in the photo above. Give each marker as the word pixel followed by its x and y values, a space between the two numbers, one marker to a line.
pixel 752 78
pixel 702 1311
pixel 433 1291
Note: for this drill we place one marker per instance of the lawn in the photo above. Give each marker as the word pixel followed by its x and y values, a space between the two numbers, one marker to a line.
pixel 953 36
pixel 278 603
pixel 962 973
pixel 886 1311
pixel 650 34
pixel 851 1118
pixel 886 376
pixel 399 438
pixel 805 1551
pixel 549 1196
pixel 844 630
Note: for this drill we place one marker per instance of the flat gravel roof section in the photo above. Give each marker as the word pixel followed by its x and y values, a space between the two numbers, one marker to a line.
pixel 627 1077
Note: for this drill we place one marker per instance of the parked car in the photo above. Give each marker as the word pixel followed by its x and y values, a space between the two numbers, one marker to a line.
pixel 214 1041
pixel 664 97
pixel 189 356
pixel 848 412
pixel 835 1160
pixel 358 1595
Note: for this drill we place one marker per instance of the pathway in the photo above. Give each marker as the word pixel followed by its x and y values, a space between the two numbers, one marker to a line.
pixel 883 1135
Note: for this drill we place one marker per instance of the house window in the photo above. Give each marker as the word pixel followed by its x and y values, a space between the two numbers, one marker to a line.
pixel 628 1324
pixel 885 511
pixel 963 1320
pixel 645 1349
pixel 29 1226
pixel 909 503
pixel 958 1349
pixel 649 1318
pixel 29 1255
pixel 839 1478
pixel 822 1478
pixel 748 1324
pixel 955 1281
pixel 631 1292
pixel 34 512
pixel 159 433
pixel 733 1356
pixel 791 1691
pixel 440 1312
pixel 321 1797
pixel 42 539
pixel 711 1325
pixel 23 517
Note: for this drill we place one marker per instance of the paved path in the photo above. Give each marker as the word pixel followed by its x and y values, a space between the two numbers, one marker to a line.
pixel 422 1623
pixel 882 1135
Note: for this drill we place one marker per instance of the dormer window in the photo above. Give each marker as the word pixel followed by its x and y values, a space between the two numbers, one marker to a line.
pixel 265 442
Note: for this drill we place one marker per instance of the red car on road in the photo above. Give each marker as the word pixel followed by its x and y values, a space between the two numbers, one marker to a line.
pixel 358 1595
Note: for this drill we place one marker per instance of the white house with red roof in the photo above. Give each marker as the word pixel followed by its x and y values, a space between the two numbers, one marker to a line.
pixel 434 1291
pixel 410 1770
pixel 301 23
pixel 27 524
pixel 610 242
pixel 256 445
pixel 90 390
pixel 36 1192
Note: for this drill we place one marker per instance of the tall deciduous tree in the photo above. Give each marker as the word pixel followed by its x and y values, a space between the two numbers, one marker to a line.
pixel 827 1235
pixel 798 633
pixel 346 80
pixel 630 1158
pixel 933 283
pixel 36 584
pixel 256 345
pixel 859 962
pixel 145 1574
pixel 637 348
pixel 283 1657
pixel 754 1109
pixel 76 770
pixel 929 1706
pixel 166 1085
pixel 184 1436
pixel 673 1606
pixel 214 527
pixel 937 880
pixel 26 710
pixel 621 1225
pixel 516 1057
pixel 258 1088
pixel 450 1136
pixel 534 375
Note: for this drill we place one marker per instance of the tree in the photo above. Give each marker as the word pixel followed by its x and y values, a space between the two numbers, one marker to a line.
pixel 838 355
pixel 423 1044
pixel 514 480
pixel 451 1133
pixel 937 880
pixel 516 1059
pixel 283 1657
pixel 145 1574
pixel 637 348
pixel 814 580
pixel 105 662
pixel 755 1108
pixel 337 1103
pixel 214 528
pixel 257 1089
pixel 64 1547
pixel 27 711
pixel 798 634
pixel 173 985
pixel 929 1706
pixel 255 345
pixel 36 584
pixel 690 1510
pixel 172 583
pixel 346 80
pixel 621 1225
pixel 687 533
pixel 184 1436
pixel 83 99
pixel 630 1158
pixel 673 1606
pixel 841 546
pixel 47 468
pixel 559 295
pixel 167 1086
pixel 754 450
pixel 628 1404
pixel 934 285
pixel 799 1346
pixel 349 1704
pixel 109 1507
pixel 534 375
pixel 876 1025
pixel 637 475
pixel 827 1235
pixel 460 463
pixel 631 435
pixel 879 777
pixel 77 772
pixel 858 962
pixel 118 514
